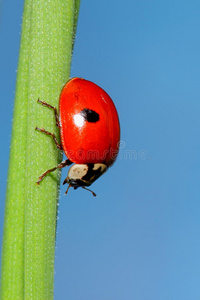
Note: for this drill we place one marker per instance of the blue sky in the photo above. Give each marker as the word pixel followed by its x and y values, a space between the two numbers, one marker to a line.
pixel 140 238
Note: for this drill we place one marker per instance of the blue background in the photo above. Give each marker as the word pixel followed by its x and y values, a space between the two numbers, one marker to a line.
pixel 140 238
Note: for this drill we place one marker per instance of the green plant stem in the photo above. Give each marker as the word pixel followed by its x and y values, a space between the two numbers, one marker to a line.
pixel 30 217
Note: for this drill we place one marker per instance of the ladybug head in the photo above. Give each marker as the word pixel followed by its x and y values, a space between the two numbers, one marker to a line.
pixel 82 175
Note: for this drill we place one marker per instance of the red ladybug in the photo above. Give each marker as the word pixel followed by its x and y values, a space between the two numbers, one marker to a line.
pixel 89 131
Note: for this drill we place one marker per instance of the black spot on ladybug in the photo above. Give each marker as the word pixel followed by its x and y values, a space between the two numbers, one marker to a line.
pixel 89 115
pixel 91 172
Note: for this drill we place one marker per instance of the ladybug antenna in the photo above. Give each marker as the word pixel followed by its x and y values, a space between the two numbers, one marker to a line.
pixel 89 191
pixel 67 189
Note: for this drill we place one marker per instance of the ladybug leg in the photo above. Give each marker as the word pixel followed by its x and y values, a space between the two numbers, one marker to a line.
pixel 83 187
pixel 52 107
pixel 63 164
pixel 67 189
pixel 59 146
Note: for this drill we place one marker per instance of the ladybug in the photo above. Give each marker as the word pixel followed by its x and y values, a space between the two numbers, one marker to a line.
pixel 89 132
